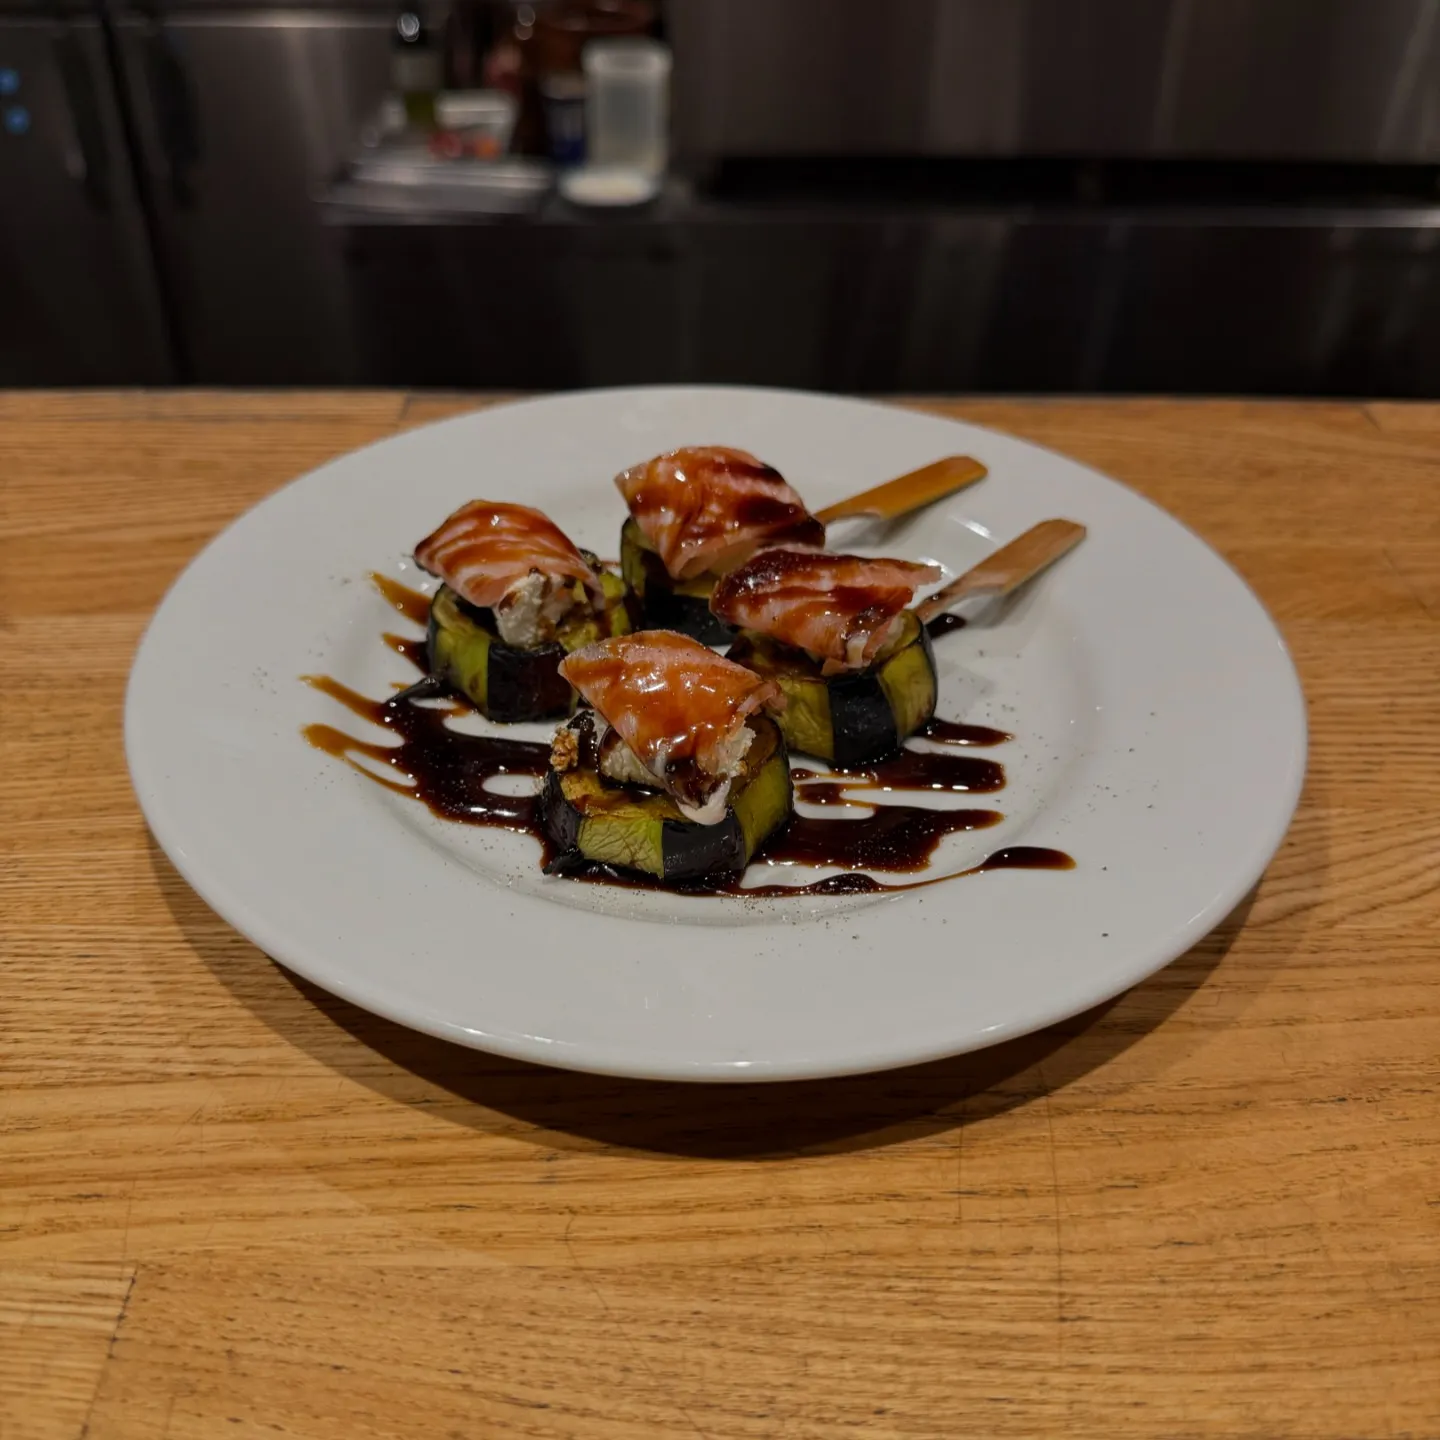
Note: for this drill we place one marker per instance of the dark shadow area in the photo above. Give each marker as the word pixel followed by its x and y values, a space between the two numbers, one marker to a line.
pixel 722 1122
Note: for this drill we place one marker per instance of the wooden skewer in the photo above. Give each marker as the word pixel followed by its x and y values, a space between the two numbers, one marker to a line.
pixel 1009 567
pixel 908 492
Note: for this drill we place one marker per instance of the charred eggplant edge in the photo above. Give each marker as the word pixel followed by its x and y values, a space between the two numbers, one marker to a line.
pixel 854 719
pixel 666 604
pixel 508 683
pixel 582 815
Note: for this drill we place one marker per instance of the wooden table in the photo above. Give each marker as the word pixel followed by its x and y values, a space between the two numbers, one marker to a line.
pixel 231 1206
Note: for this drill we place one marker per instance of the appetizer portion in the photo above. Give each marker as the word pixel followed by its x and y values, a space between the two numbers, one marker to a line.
pixel 835 633
pixel 696 513
pixel 677 771
pixel 516 597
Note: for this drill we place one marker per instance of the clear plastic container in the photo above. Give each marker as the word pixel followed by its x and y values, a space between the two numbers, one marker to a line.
pixel 627 104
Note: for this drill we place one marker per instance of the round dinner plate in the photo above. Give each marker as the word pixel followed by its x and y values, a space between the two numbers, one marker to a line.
pixel 1158 739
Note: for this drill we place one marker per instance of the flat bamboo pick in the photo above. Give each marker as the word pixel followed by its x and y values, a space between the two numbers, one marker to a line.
pixel 1009 567
pixel 908 492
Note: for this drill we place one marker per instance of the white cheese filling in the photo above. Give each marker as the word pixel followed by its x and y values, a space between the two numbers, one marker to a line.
pixel 529 611
pixel 620 763
pixel 855 650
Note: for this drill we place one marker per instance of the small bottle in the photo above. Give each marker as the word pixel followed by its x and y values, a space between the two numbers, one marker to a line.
pixel 415 68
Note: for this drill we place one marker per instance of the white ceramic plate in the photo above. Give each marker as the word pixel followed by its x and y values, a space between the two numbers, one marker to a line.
pixel 1159 739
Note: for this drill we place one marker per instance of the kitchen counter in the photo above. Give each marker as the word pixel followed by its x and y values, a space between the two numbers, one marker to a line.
pixel 232 1205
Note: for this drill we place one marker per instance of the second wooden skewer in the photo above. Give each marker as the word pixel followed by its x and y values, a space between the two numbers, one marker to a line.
pixel 1008 568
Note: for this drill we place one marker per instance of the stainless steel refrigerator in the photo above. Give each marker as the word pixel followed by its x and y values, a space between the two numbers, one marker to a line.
pixel 81 299
pixel 238 115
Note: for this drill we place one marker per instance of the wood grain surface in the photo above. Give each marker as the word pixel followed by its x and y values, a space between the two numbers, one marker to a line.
pixel 232 1206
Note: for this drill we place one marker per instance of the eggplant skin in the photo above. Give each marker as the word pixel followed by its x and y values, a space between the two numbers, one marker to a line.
pixel 504 682
pixel 910 682
pixel 560 821
pixel 692 851
pixel 862 724
pixel 854 719
pixel 590 821
pixel 663 609
pixel 667 604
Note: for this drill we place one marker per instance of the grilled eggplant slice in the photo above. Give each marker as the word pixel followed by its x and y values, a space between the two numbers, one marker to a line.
pixel 592 821
pixel 851 719
pixel 664 603
pixel 505 682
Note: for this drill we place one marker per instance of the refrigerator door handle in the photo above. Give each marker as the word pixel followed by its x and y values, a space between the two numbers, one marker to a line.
pixel 94 154
pixel 172 97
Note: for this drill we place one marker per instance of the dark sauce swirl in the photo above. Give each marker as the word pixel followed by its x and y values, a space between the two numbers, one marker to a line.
pixel 425 759
pixel 944 623
pixel 433 763
pixel 410 603
pixel 953 732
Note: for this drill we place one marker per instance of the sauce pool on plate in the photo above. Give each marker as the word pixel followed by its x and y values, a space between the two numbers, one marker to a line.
pixel 447 771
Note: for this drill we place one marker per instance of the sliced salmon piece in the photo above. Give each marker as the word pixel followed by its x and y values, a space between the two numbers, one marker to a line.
pixel 487 549
pixel 679 707
pixel 707 507
pixel 841 609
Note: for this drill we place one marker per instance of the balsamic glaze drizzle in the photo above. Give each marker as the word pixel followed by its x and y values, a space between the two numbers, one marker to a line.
pixel 944 623
pixel 448 771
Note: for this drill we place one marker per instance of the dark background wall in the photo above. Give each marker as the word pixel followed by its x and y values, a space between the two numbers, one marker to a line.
pixel 1234 195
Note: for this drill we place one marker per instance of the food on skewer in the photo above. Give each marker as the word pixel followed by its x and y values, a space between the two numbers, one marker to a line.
pixel 696 513
pixel 517 597
pixel 679 770
pixel 836 634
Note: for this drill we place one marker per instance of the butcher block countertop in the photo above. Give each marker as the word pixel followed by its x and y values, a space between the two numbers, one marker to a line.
pixel 233 1206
